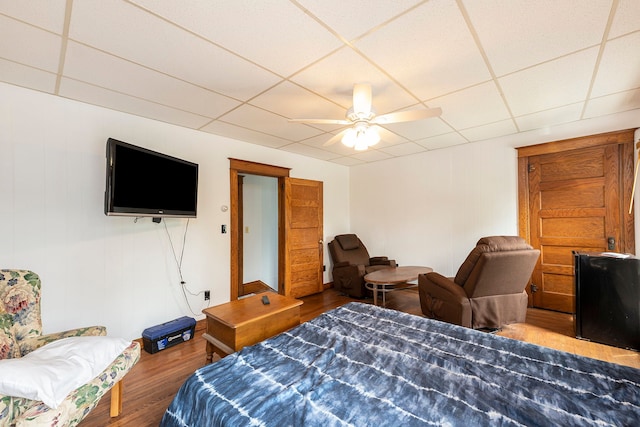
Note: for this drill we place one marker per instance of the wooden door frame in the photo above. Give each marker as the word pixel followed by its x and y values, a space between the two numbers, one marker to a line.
pixel 624 138
pixel 237 167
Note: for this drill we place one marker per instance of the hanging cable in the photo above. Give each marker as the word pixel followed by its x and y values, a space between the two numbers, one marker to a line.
pixel 173 251
pixel 183 284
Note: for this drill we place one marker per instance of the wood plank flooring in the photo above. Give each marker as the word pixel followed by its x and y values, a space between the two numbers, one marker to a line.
pixel 152 383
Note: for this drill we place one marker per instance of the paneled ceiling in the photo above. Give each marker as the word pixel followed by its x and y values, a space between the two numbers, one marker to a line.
pixel 242 68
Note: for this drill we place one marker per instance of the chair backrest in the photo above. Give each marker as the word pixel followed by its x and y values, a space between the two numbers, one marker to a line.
pixel 498 265
pixel 349 248
pixel 20 305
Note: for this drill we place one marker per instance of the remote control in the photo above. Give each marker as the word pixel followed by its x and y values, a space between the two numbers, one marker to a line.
pixel 265 300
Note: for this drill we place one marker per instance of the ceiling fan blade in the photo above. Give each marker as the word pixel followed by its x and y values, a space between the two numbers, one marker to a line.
pixel 322 121
pixel 407 116
pixel 335 138
pixel 362 98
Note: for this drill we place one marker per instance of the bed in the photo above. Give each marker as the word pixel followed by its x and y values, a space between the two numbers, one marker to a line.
pixel 364 365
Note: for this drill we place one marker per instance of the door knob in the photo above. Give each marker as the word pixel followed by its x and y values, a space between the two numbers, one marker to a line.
pixel 320 241
pixel 611 244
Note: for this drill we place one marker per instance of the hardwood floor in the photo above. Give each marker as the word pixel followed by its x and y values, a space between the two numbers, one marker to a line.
pixel 152 383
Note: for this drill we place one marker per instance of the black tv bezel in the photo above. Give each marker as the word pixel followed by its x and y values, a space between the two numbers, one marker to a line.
pixel 111 210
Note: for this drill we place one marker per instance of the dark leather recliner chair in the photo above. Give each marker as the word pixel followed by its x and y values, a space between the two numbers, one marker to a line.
pixel 351 262
pixel 489 289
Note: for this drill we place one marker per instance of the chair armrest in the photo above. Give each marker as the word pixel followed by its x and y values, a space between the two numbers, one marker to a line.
pixel 382 260
pixel 31 344
pixel 441 298
pixel 341 264
pixel 20 411
pixel 344 268
pixel 443 287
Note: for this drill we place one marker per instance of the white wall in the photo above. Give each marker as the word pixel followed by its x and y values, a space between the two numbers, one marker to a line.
pixel 111 270
pixel 431 209
pixel 427 209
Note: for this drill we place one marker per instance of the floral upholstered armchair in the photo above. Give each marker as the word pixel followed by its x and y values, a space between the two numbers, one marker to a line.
pixel 21 335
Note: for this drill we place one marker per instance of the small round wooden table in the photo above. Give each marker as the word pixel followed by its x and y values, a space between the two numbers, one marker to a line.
pixel 392 279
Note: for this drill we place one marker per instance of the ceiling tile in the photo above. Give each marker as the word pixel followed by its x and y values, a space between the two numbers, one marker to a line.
pixel 389 138
pixel 91 66
pixel 431 56
pixel 21 75
pixel 619 66
pixel 421 128
pixel 355 17
pixel 403 149
pixel 278 35
pixel 306 150
pixel 46 14
pixel 348 161
pixel 242 134
pixel 84 92
pixel 547 118
pixel 371 155
pixel 610 104
pixel 334 77
pixel 442 141
pixel 241 68
pixel 491 130
pixel 110 26
pixel 549 85
pixel 626 19
pixel 264 121
pixel 487 106
pixel 292 101
pixel 517 34
pixel 29 45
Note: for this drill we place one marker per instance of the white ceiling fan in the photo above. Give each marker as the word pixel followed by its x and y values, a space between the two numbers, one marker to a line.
pixel 364 130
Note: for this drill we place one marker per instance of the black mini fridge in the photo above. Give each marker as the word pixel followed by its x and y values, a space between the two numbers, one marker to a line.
pixel 608 298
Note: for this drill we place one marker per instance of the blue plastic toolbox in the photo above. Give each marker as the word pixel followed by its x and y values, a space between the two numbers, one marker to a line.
pixel 168 334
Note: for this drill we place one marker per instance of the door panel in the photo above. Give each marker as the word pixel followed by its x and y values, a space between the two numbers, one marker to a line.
pixel 582 177
pixel 303 237
pixel 573 203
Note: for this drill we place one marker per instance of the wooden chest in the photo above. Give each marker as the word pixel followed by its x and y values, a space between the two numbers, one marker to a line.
pixel 240 323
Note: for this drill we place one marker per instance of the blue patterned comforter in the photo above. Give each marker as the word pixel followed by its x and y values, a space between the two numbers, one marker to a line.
pixel 363 365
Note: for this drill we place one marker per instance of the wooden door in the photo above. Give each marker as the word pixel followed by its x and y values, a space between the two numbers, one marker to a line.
pixel 576 198
pixel 303 233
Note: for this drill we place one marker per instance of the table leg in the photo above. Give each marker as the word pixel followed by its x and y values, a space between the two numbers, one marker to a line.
pixel 209 352
pixel 375 293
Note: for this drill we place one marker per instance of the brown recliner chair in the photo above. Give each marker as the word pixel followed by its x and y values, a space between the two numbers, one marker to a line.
pixel 351 262
pixel 489 289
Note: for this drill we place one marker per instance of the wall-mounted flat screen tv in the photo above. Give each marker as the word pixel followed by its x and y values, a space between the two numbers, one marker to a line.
pixel 142 182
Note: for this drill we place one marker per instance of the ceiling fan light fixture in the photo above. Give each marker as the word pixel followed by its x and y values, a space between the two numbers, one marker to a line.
pixel 356 116
pixel 360 146
pixel 364 120
pixel 349 138
pixel 361 137
pixel 372 136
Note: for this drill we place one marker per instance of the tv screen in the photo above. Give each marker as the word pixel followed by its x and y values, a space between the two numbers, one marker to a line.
pixel 142 182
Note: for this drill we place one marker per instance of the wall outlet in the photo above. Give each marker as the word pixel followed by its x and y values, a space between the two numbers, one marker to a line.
pixel 207 295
